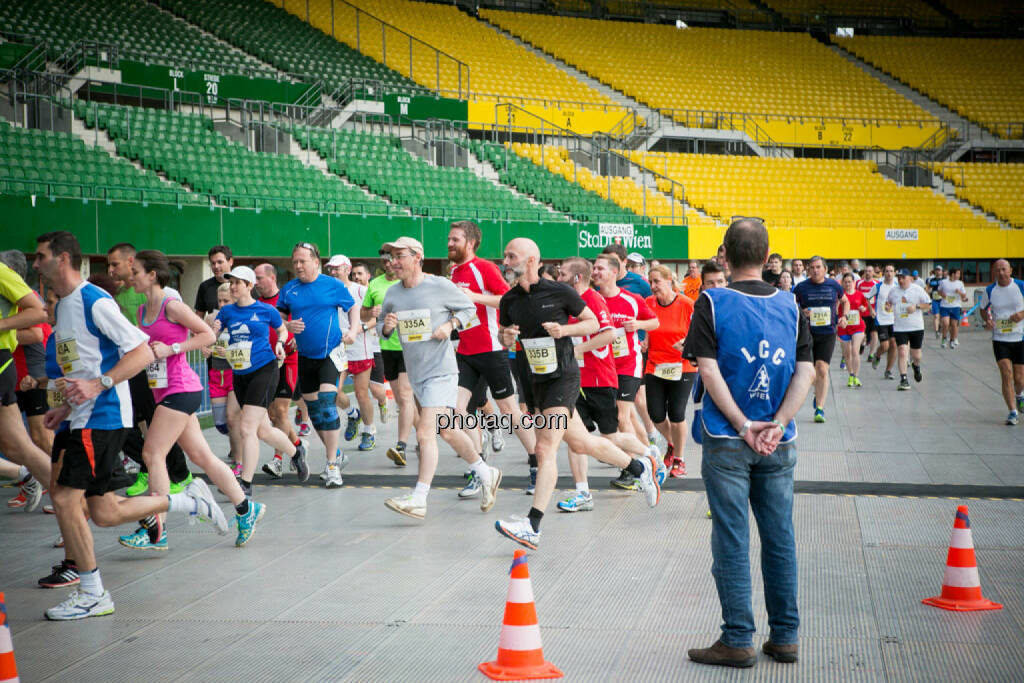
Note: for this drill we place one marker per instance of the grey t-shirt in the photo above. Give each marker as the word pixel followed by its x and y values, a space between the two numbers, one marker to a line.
pixel 421 310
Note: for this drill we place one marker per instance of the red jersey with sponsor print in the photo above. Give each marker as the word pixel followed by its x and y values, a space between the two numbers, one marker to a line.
pixel 482 277
pixel 865 286
pixel 597 369
pixel 290 358
pixel 854 320
pixel 626 347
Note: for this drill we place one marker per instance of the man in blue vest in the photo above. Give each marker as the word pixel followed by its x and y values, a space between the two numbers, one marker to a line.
pixel 753 348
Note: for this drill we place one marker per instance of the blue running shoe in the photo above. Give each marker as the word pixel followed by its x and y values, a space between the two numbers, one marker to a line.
pixel 140 540
pixel 247 522
pixel 352 427
pixel 581 502
pixel 368 442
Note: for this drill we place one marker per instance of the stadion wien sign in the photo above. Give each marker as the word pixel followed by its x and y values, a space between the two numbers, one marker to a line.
pixel 632 237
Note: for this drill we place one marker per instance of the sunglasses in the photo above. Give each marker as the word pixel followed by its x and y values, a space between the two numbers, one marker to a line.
pixel 308 245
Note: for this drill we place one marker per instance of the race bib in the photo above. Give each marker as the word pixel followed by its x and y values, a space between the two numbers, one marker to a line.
pixel 414 326
pixel 473 322
pixel 821 316
pixel 67 354
pixel 54 396
pixel 576 341
pixel 1004 325
pixel 853 317
pixel 339 358
pixel 540 354
pixel 952 299
pixel 239 355
pixel 903 310
pixel 156 373
pixel 220 347
pixel 670 371
pixel 620 347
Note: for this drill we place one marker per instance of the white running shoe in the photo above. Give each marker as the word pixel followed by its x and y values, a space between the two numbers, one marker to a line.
pixel 490 489
pixel 206 509
pixel 275 467
pixel 519 530
pixel 497 440
pixel 407 505
pixel 333 480
pixel 81 605
pixel 33 492
pixel 648 483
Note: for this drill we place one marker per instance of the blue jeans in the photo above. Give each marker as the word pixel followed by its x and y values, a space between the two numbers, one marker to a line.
pixel 734 474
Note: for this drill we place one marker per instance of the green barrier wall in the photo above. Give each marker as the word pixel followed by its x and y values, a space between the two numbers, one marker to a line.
pixel 420 108
pixel 216 88
pixel 191 230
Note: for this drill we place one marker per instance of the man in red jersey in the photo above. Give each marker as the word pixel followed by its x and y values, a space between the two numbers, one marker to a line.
pixel 865 285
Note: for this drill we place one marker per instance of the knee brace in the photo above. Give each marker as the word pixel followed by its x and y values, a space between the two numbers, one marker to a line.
pixel 325 417
pixel 220 417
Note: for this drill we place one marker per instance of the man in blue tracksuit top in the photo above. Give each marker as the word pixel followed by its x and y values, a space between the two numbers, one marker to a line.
pixel 752 345
pixel 312 300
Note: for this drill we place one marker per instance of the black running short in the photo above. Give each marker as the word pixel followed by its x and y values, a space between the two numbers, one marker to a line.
pixel 1012 351
pixel 524 387
pixel 885 332
pixel 557 393
pixel 869 325
pixel 288 383
pixel 92 462
pixel 667 399
pixel 8 379
pixel 377 373
pixel 394 364
pixel 628 386
pixel 187 402
pixel 143 403
pixel 823 346
pixel 478 398
pixel 313 372
pixel 914 338
pixel 60 444
pixel 493 366
pixel 597 409
pixel 32 402
pixel 257 388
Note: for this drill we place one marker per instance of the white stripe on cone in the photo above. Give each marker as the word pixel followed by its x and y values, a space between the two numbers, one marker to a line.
pixel 961 577
pixel 961 539
pixel 520 637
pixel 519 590
pixel 11 680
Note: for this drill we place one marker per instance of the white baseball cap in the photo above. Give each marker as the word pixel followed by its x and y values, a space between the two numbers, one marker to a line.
pixel 243 273
pixel 339 260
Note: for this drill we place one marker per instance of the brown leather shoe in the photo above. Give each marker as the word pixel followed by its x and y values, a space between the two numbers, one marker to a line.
pixel 780 653
pixel 721 654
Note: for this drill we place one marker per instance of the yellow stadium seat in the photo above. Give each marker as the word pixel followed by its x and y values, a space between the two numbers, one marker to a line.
pixel 996 188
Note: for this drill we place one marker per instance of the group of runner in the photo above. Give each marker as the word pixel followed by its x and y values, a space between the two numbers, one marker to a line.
pixel 591 348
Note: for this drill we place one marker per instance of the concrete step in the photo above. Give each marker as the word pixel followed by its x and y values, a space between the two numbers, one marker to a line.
pixel 488 172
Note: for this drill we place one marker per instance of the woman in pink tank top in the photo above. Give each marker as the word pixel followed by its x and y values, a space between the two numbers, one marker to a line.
pixel 178 393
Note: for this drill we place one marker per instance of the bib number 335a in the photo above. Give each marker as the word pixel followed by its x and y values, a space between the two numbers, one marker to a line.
pixel 414 326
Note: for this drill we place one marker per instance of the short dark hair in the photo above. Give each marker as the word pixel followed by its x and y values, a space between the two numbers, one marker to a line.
pixel 746 243
pixel 710 268
pixel 616 249
pixel 123 247
pixel 153 261
pixel 611 257
pixel 362 264
pixel 63 242
pixel 220 249
pixel 775 254
pixel 471 231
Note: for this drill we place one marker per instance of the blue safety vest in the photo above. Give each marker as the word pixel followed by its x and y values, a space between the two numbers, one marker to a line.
pixel 756 354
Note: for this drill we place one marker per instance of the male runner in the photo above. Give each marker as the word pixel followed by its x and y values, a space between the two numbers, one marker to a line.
pixel 98 351
pixel 864 286
pixel 423 310
pixel 932 288
pixel 954 296
pixel 884 321
pixel 907 301
pixel 267 292
pixel 361 275
pixel 820 297
pixel 773 270
pixel 1002 310
pixel 692 281
pixel 120 259
pixel 798 271
pixel 538 310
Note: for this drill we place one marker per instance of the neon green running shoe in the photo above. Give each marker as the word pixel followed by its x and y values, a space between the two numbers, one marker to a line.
pixel 180 486
pixel 140 486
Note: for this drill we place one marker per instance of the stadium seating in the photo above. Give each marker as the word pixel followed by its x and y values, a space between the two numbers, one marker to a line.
pixel 38 162
pixel 497 65
pixel 969 75
pixel 988 15
pixel 786 74
pixel 381 164
pixel 285 41
pixel 187 149
pixel 807 193
pixel 134 25
pixel 996 188
pixel 814 11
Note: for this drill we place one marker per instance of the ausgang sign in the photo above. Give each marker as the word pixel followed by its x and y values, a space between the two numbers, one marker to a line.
pixel 901 235
pixel 632 237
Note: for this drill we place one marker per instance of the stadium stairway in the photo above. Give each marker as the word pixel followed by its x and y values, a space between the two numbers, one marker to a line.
pixel 486 170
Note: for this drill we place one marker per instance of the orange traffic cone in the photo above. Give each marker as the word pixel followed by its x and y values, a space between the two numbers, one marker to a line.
pixel 520 656
pixel 961 587
pixel 8 671
pixel 964 322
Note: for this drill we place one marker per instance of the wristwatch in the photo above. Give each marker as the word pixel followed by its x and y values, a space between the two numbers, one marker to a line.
pixel 107 381
pixel 745 428
pixel 176 348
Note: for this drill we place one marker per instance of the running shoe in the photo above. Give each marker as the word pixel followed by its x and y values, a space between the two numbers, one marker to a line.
pixel 368 442
pixel 819 415
pixel 81 605
pixel 888 375
pixel 246 488
pixel 489 490
pixel 396 454
pixel 936 334
pixel 1012 418
pixel 333 480
pixel 856 382
pixel 497 440
pixel 842 364
pixel 140 486
pixel 382 410
pixel 33 492
pixel 49 509
pixel 670 456
pixel 942 344
pixel 140 540
pixel 206 508
pixel 236 468
pixel 472 487
pixel 129 465
pixel 582 501
pixel 849 382
pixel 59 543
pixel 21 500
pixel 247 523
pixel 1020 402
pixel 305 429
pixel 954 344
pixel 275 467
pixel 626 481
pixel 917 373
pixel 519 530
pixel 904 384
pixel 648 482
pixel 874 362
pixel 407 505
pixel 352 426
pixel 678 470
pixel 299 465
pixel 532 486
pixel 179 486
pixel 63 574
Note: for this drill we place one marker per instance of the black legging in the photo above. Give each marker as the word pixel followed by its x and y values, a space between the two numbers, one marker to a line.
pixel 144 406
pixel 668 398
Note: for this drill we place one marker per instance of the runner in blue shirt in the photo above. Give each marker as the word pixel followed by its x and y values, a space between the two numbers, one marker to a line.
pixel 313 299
pixel 821 298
